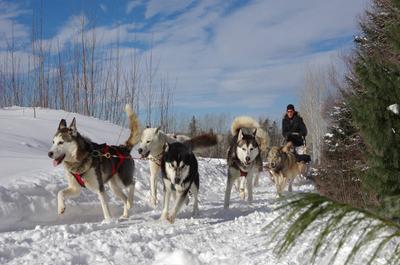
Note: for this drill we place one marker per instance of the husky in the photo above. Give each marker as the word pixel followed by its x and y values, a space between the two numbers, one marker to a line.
pixel 151 146
pixel 91 165
pixel 244 159
pixel 180 173
pixel 283 167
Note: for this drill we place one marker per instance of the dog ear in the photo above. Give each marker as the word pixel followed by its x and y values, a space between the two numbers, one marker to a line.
pixel 166 147
pixel 158 129
pixel 72 126
pixel 240 135
pixel 62 125
pixel 255 132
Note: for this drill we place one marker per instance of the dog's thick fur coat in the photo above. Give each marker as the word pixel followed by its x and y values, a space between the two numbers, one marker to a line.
pixel 84 158
pixel 151 146
pixel 180 175
pixel 283 167
pixel 244 159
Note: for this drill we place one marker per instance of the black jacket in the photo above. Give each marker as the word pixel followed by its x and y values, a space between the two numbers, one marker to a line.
pixel 294 129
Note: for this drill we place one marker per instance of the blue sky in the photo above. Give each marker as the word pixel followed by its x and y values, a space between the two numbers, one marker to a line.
pixel 234 57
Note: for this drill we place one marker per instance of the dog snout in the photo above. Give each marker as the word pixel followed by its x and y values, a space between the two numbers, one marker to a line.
pixel 140 151
pixel 247 158
pixel 272 164
pixel 177 180
pixel 50 154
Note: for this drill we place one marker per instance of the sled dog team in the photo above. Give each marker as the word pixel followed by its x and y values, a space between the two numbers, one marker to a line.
pixel 91 165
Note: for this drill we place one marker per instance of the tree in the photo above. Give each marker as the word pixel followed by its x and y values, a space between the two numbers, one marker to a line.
pixel 372 85
pixel 312 98
pixel 193 127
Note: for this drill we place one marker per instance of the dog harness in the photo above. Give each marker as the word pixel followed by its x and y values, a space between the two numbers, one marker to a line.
pixel 107 154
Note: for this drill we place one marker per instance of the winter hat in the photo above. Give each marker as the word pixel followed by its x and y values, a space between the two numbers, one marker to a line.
pixel 290 107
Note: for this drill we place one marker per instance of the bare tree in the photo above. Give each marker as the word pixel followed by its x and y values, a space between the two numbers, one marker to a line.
pixel 311 104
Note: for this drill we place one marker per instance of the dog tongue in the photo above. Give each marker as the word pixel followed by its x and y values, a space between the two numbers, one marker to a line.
pixel 55 162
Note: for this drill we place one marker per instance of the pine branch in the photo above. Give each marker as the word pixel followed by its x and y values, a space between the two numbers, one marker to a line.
pixel 333 226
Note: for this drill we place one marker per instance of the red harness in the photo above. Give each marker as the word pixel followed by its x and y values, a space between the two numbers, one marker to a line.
pixel 242 173
pixel 121 157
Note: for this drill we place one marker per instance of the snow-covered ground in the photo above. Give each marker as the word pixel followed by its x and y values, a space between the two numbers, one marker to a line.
pixel 31 231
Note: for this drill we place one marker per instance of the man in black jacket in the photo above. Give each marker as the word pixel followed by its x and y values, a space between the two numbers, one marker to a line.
pixel 293 128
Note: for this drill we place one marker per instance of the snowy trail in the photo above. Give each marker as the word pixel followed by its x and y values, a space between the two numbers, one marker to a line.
pixel 31 232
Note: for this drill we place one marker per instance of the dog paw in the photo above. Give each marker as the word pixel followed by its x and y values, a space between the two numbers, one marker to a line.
pixel 171 219
pixel 164 216
pixel 123 217
pixel 61 210
pixel 242 194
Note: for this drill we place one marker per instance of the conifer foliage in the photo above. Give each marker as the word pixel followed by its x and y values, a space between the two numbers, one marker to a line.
pixel 375 85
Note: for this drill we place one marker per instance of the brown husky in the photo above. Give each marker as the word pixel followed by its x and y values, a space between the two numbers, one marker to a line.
pixel 283 167
pixel 91 165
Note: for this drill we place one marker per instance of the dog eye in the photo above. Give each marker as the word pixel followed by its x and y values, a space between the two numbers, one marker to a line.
pixel 148 142
pixel 251 149
pixel 60 143
pixel 244 149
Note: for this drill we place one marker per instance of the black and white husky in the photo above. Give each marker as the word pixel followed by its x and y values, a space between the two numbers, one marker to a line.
pixel 152 142
pixel 180 173
pixel 244 159
pixel 91 165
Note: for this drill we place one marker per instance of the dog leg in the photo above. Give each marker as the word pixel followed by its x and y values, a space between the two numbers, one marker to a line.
pixel 281 183
pixel 228 190
pixel 257 179
pixel 179 202
pixel 70 192
pixel 195 194
pixel 242 189
pixel 73 190
pixel 131 191
pixel 290 189
pixel 167 195
pixel 249 185
pixel 154 169
pixel 104 205
pixel 116 189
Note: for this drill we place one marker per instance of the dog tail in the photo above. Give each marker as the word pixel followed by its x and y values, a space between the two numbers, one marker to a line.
pixel 243 122
pixel 262 138
pixel 202 141
pixel 133 126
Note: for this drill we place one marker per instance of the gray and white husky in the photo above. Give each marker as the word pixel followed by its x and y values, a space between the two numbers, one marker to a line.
pixel 180 173
pixel 244 159
pixel 91 165
pixel 151 146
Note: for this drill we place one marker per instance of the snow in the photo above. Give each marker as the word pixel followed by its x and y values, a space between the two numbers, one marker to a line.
pixel 394 108
pixel 31 231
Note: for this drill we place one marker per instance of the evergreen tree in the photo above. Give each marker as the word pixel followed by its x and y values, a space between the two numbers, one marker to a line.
pixel 193 127
pixel 375 84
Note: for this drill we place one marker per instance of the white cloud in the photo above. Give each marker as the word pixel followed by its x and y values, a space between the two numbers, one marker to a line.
pixel 103 7
pixel 132 5
pixel 10 27
pixel 155 7
pixel 252 54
